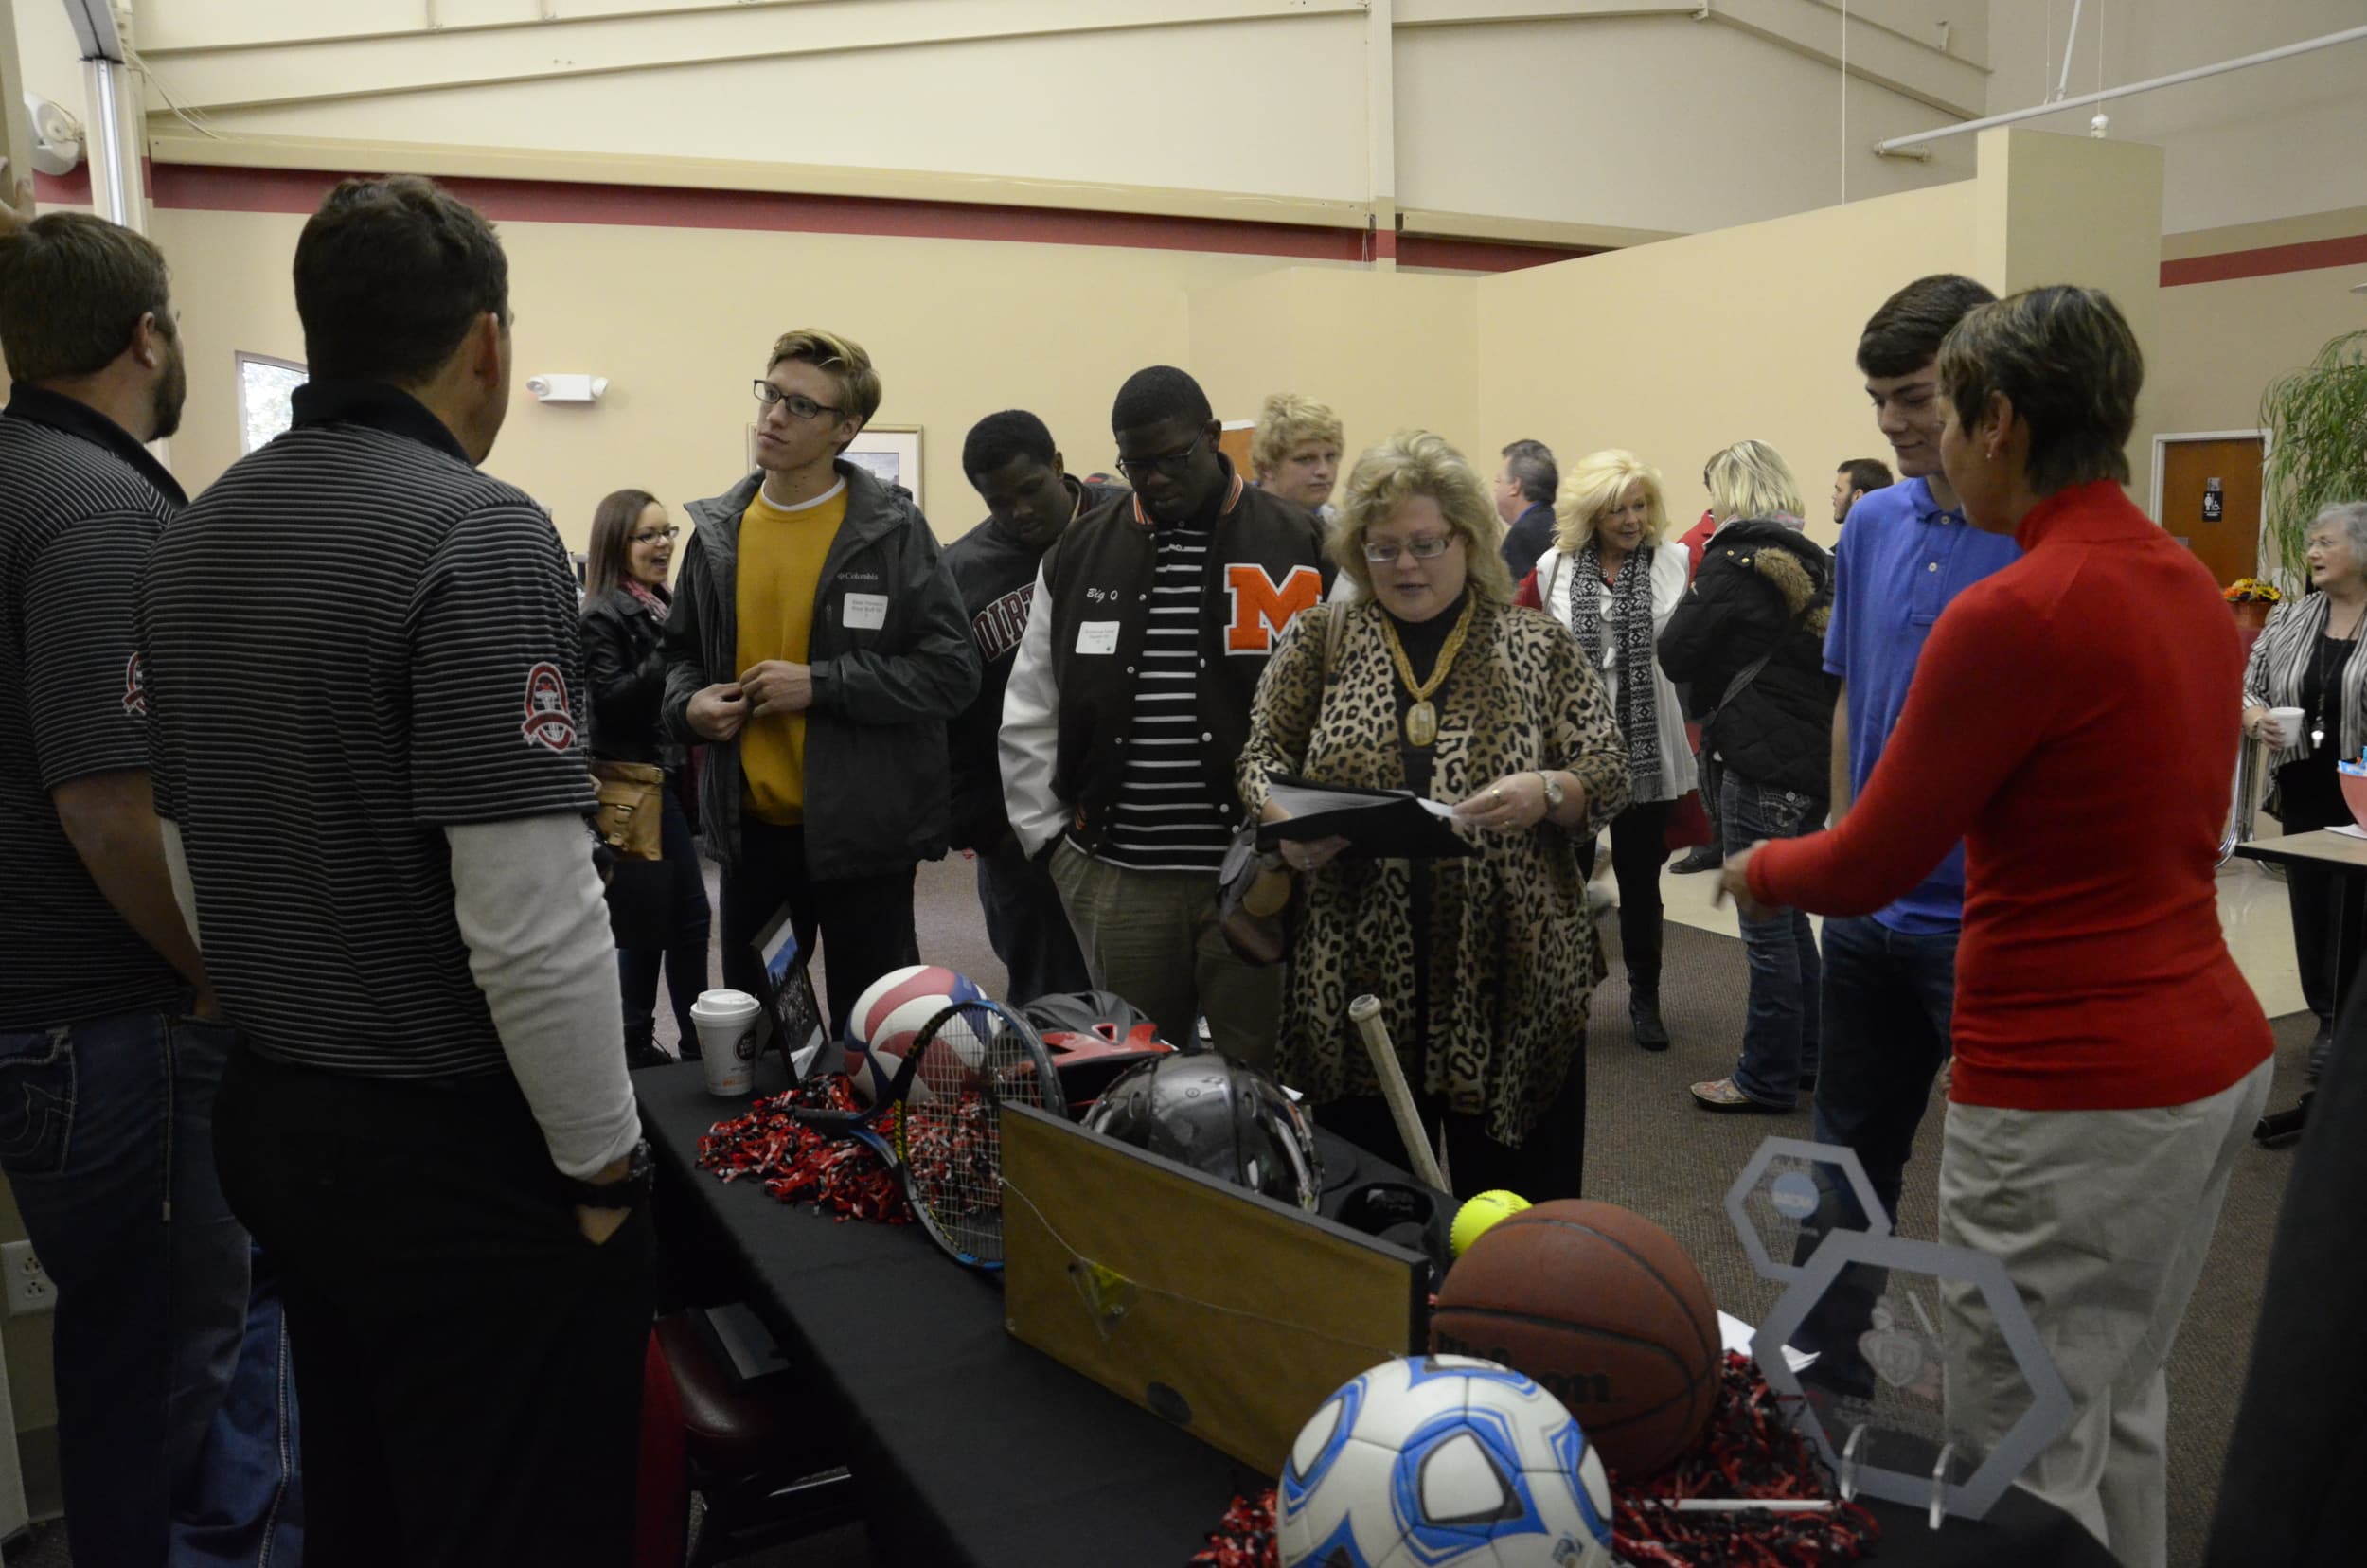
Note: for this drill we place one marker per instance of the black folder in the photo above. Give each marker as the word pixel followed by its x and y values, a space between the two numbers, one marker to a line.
pixel 1378 824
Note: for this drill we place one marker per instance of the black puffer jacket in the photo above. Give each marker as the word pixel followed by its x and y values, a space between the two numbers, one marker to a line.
pixel 1762 588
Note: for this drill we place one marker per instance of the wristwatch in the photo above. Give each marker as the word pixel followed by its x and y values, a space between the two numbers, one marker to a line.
pixel 628 1193
pixel 1555 794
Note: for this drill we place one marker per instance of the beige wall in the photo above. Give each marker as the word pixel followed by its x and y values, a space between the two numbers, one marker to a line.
pixel 1661 114
pixel 2071 209
pixel 1682 347
pixel 2220 345
pixel 2271 141
pixel 680 320
pixel 1388 353
pixel 1645 122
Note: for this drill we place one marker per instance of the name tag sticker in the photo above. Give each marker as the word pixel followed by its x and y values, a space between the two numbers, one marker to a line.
pixel 866 612
pixel 1097 637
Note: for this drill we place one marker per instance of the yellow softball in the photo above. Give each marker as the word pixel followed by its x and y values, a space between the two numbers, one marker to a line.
pixel 1475 1215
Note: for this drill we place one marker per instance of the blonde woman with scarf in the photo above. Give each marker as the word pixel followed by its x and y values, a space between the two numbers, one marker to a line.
pixel 1613 582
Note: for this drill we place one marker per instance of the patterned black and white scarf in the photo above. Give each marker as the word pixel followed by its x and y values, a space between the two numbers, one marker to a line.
pixel 1632 624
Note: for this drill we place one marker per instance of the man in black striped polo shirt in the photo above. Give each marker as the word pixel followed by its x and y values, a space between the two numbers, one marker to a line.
pixel 1129 704
pixel 363 677
pixel 111 1045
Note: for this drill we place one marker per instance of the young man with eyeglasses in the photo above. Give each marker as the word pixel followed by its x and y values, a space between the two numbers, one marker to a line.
pixel 817 644
pixel 1128 707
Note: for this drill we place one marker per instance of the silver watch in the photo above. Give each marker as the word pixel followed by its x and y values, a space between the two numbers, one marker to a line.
pixel 1555 794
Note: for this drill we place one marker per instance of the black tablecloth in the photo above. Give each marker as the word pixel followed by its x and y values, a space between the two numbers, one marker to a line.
pixel 970 1448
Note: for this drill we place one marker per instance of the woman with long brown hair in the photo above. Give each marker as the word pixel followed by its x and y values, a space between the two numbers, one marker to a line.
pixel 625 605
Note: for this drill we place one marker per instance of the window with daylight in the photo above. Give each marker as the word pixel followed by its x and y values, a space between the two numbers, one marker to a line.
pixel 264 388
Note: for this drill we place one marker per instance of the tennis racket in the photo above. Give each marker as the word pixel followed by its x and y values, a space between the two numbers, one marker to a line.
pixel 973 1059
pixel 868 1126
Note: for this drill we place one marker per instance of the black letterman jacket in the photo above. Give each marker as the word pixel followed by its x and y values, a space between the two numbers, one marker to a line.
pixel 1068 708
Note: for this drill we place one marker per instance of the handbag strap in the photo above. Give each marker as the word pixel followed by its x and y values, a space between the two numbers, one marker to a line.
pixel 1743 677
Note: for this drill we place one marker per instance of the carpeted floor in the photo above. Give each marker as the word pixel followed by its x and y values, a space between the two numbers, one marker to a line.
pixel 1649 1150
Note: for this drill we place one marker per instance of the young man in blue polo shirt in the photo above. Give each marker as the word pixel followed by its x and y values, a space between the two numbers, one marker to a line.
pixel 1890 979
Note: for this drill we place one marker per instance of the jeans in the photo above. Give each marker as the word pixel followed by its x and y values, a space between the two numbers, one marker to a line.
pixel 684 957
pixel 865 923
pixel 1889 998
pixel 1028 925
pixel 174 1421
pixel 1782 1030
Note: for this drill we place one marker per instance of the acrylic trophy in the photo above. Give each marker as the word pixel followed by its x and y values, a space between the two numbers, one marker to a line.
pixel 1856 1349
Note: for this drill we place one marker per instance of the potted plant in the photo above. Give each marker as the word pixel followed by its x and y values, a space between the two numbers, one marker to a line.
pixel 2253 599
pixel 2316 452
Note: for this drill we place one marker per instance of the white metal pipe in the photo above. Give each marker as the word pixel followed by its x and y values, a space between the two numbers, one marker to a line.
pixel 115 183
pixel 2349 35
pixel 2070 42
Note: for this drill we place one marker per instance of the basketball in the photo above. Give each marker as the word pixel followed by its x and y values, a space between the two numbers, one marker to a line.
pixel 889 1016
pixel 1605 1311
pixel 1473 1219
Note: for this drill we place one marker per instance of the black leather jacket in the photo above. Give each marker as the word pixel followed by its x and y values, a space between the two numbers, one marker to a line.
pixel 625 667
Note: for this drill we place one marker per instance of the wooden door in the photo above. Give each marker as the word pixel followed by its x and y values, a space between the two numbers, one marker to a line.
pixel 1235 442
pixel 2211 502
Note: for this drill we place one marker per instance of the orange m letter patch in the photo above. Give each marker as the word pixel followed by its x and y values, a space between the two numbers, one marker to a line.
pixel 1261 609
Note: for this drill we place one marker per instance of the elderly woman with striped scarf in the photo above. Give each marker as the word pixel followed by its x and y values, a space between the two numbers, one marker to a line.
pixel 1613 582
pixel 2307 658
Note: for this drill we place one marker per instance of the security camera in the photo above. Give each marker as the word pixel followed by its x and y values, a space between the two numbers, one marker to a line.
pixel 57 137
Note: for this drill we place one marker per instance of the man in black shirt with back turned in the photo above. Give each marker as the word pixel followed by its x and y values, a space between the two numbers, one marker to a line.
pixel 111 1044
pixel 1013 465
pixel 363 673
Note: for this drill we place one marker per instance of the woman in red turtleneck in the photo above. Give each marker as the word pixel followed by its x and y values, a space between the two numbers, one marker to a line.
pixel 2071 720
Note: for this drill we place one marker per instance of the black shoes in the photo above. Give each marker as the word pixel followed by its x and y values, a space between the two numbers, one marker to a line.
pixel 1699 858
pixel 2320 1048
pixel 1644 1015
pixel 641 1050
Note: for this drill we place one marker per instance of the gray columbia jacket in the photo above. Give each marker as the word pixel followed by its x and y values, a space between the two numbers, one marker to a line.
pixel 876 794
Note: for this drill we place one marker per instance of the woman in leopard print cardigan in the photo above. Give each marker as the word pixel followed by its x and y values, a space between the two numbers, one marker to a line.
pixel 1485 966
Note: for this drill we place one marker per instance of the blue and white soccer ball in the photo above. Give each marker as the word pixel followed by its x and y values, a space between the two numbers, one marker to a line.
pixel 1443 1462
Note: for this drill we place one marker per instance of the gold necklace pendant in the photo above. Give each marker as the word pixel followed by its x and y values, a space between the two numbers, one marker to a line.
pixel 1421 720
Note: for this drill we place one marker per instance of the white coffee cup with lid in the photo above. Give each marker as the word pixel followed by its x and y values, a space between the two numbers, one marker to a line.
pixel 726 1022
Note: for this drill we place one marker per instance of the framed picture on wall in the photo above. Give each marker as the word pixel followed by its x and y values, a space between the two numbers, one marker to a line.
pixel 892 452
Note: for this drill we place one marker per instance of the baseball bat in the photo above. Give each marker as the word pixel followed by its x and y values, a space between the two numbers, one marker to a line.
pixel 1364 1012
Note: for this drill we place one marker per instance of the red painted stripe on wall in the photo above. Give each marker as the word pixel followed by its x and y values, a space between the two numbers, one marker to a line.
pixel 205 187
pixel 2307 256
pixel 208 188
pixel 1489 255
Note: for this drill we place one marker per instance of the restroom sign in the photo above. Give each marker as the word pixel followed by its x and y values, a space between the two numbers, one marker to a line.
pixel 2214 500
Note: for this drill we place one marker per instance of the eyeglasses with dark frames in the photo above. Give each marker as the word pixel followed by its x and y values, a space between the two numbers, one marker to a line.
pixel 797 403
pixel 1173 465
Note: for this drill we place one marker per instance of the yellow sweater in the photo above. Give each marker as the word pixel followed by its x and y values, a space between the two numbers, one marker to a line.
pixel 780 571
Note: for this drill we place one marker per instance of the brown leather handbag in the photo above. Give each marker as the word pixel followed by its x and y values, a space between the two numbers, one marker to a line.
pixel 632 819
pixel 1259 902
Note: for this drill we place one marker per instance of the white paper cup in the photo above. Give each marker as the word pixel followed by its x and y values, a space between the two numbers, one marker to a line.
pixel 2288 722
pixel 726 1022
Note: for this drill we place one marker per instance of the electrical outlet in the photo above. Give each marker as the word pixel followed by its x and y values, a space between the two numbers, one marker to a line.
pixel 31 1288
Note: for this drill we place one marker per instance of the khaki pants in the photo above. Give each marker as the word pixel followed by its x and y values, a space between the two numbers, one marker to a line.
pixel 1152 937
pixel 2102 1219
